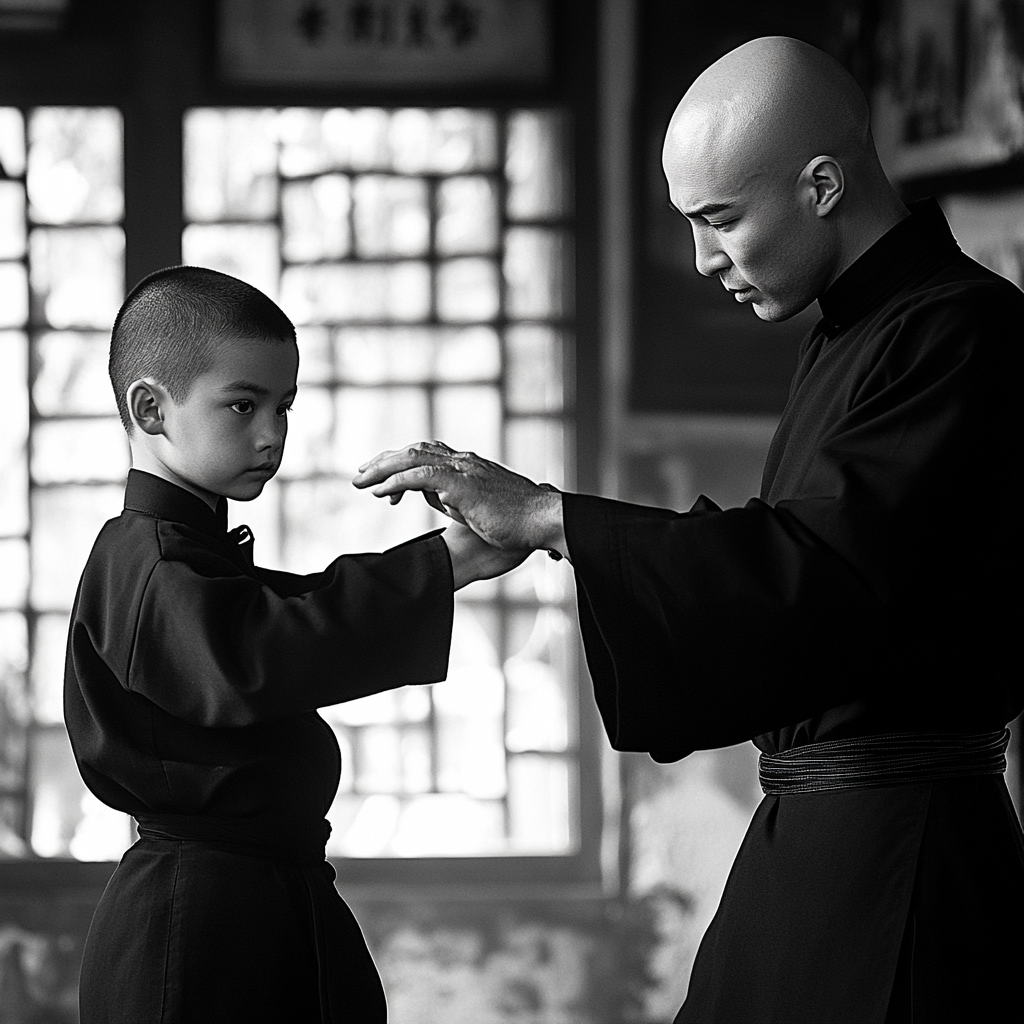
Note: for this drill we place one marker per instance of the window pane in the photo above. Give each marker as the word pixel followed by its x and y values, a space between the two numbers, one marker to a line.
pixel 537 579
pixel 71 374
pixel 57 793
pixel 13 573
pixel 77 275
pixel 50 641
pixel 315 218
pixel 380 355
pixel 538 803
pixel 409 704
pixel 467 216
pixel 74 165
pixel 246 251
pixel 448 825
pixel 316 355
pixel 12 142
pixel 469 418
pixel 73 451
pixel 230 164
pixel 14 710
pixel 538 708
pixel 352 291
pixel 367 130
pixel 390 216
pixel 534 447
pixel 370 421
pixel 533 375
pixel 536 166
pixel 443 141
pixel 312 141
pixel 65 522
pixel 13 295
pixel 12 220
pixel 469 708
pixel 472 353
pixel 327 517
pixel 536 272
pixel 467 289
pixel 13 432
pixel 309 447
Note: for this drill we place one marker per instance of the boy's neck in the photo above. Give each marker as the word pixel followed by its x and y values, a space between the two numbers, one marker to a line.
pixel 143 459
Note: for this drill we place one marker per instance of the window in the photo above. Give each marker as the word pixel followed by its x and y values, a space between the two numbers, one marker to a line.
pixel 63 455
pixel 424 256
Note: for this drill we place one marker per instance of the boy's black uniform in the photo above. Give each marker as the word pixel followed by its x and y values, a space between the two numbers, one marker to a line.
pixel 191 688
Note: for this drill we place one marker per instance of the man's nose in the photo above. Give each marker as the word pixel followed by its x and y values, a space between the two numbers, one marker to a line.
pixel 710 258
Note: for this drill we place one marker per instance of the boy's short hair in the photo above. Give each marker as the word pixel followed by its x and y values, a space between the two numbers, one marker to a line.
pixel 168 327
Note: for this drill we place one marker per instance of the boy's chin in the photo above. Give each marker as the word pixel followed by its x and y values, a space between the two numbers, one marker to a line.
pixel 246 490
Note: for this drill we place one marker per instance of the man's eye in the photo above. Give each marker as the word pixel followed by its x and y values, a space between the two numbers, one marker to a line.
pixel 285 409
pixel 718 225
pixel 244 406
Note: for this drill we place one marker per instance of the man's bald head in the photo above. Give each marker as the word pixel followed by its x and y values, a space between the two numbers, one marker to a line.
pixel 773 102
pixel 769 155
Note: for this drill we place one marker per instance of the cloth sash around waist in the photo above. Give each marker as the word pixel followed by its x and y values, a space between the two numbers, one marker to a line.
pixel 302 842
pixel 891 759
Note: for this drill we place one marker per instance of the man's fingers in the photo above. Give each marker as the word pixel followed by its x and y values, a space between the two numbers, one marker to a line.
pixel 382 466
pixel 418 478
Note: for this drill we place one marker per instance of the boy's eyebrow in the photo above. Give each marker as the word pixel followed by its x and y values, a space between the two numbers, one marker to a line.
pixel 256 389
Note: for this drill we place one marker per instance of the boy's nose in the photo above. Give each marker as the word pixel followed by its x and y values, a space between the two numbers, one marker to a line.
pixel 271 435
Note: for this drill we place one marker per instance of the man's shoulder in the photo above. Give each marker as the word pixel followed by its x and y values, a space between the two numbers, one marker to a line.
pixel 965 284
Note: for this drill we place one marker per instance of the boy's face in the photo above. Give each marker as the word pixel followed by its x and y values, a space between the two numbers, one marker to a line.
pixel 227 437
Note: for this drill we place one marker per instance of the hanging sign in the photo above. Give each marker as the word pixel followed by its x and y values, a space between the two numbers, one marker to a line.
pixel 385 42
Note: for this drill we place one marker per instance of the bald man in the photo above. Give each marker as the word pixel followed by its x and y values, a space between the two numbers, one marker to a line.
pixel 857 619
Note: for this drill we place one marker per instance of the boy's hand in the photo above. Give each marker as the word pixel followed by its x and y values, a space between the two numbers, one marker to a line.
pixel 505 509
pixel 474 559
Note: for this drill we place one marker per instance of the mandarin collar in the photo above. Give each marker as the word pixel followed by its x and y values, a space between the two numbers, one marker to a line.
pixel 917 243
pixel 159 498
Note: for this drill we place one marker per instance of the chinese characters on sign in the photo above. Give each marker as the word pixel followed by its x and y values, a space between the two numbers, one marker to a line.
pixel 385 42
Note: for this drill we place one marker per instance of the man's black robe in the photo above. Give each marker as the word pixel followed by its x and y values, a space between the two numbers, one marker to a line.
pixel 872 588
pixel 191 690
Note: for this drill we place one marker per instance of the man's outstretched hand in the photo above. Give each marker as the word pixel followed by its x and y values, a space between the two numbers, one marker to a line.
pixel 505 509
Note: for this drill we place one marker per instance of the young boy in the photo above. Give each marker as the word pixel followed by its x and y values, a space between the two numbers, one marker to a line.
pixel 193 679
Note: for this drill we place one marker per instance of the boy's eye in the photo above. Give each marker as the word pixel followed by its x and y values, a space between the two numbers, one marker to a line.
pixel 244 407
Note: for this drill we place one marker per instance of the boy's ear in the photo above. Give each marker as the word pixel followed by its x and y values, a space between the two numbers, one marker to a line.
pixel 144 406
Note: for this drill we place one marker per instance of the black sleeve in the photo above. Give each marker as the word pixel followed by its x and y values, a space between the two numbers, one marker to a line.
pixel 883 574
pixel 218 648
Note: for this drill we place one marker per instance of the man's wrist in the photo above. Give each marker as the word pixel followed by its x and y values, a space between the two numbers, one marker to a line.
pixel 550 528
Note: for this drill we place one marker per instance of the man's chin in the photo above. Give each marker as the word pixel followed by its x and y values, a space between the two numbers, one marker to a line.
pixel 772 313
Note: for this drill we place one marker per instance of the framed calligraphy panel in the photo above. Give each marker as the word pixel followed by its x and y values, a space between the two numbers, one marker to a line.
pixel 384 42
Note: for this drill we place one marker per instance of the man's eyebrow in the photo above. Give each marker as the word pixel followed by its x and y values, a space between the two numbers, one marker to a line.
pixel 702 211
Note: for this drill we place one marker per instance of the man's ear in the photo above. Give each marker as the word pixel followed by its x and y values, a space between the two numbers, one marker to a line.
pixel 145 398
pixel 823 175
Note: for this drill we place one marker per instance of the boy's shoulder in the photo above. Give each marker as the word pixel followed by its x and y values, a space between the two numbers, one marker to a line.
pixel 160 522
